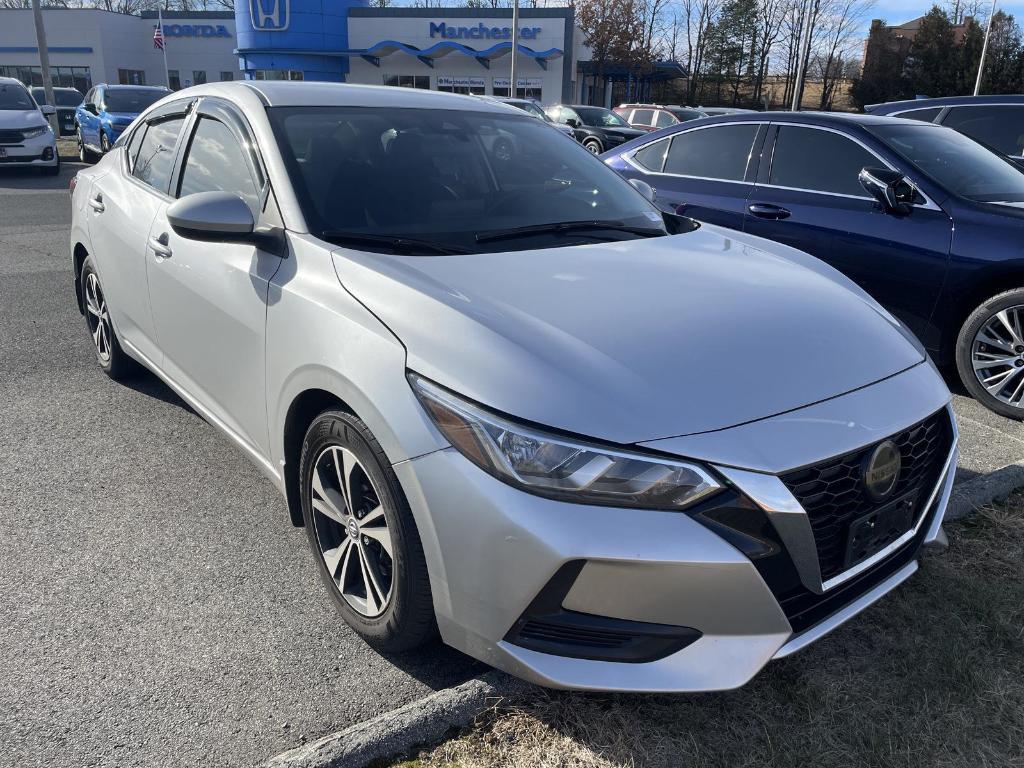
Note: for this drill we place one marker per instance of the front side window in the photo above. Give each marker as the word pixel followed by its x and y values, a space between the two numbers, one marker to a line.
pixel 15 96
pixel 601 118
pixel 471 181
pixel 130 100
pixel 819 161
pixel 216 163
pixel 1001 127
pixel 955 162
pixel 156 153
pixel 721 152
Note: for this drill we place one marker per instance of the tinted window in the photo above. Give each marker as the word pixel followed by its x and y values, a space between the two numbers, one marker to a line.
pixel 1001 127
pixel 952 160
pixel 664 119
pixel 925 115
pixel 714 153
pixel 15 96
pixel 216 163
pixel 600 117
pixel 652 156
pixel 156 153
pixel 132 100
pixel 448 177
pixel 682 115
pixel 807 158
pixel 643 117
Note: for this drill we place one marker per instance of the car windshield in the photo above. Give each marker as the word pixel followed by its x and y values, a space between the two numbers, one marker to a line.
pixel 63 97
pixel 451 179
pixel 961 165
pixel 14 96
pixel 531 109
pixel 132 100
pixel 598 116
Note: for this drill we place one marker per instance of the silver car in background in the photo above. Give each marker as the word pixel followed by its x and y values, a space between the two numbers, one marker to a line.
pixel 511 402
pixel 26 138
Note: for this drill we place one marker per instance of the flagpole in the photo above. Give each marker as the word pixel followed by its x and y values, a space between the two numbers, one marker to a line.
pixel 163 46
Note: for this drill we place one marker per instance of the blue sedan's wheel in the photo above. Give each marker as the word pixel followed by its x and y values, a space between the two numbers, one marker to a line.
pixel 990 354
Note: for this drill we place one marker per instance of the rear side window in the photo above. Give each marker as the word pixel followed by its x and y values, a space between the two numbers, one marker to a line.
pixel 643 117
pixel 712 153
pixel 818 161
pixel 1001 127
pixel 155 160
pixel 216 163
pixel 134 143
pixel 924 115
pixel 652 157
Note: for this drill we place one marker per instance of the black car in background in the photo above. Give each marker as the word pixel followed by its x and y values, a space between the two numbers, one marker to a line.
pixel 596 128
pixel 67 100
pixel 997 121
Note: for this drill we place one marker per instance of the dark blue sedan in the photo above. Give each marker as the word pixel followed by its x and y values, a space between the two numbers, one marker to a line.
pixel 928 221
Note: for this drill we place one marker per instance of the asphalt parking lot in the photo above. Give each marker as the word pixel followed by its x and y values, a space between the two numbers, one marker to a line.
pixel 156 606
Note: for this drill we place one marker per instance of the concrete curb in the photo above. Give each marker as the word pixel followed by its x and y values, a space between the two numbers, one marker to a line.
pixel 428 719
pixel 423 721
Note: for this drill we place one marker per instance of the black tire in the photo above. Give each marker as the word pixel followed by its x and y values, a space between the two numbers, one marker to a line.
pixel 84 155
pixel 408 619
pixel 104 142
pixel 593 145
pixel 965 346
pixel 111 358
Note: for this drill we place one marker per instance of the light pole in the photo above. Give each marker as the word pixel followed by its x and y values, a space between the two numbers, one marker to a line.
pixel 512 91
pixel 984 49
pixel 798 85
pixel 44 62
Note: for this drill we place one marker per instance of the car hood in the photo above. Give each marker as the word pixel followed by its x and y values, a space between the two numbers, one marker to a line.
pixel 636 340
pixel 21 118
pixel 121 118
pixel 625 133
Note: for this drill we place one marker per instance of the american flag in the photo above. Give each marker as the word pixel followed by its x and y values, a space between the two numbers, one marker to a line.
pixel 158 37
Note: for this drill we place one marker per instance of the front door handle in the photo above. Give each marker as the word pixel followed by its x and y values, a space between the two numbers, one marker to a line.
pixel 768 211
pixel 96 203
pixel 160 247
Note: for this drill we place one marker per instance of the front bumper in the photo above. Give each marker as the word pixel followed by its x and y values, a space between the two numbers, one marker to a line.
pixel 38 151
pixel 493 552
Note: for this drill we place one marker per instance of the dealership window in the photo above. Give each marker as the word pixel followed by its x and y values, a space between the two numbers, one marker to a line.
pixel 275 74
pixel 131 77
pixel 226 76
pixel 174 79
pixel 408 81
pixel 526 88
pixel 198 77
pixel 475 86
pixel 62 77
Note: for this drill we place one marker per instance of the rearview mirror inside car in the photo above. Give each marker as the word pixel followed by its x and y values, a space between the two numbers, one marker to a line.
pixel 890 188
pixel 222 217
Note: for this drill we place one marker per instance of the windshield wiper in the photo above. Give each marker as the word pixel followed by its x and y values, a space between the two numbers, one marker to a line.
pixel 565 226
pixel 396 243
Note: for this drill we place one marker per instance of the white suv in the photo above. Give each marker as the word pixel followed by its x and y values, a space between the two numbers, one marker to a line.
pixel 26 138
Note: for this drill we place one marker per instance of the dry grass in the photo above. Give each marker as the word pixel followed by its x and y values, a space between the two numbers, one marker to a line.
pixel 931 676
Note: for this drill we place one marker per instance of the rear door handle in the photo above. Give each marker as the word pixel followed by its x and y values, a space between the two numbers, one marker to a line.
pixel 96 203
pixel 160 247
pixel 768 211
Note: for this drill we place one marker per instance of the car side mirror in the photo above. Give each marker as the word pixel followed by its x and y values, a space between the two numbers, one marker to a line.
pixel 572 122
pixel 47 110
pixel 222 217
pixel 890 188
pixel 644 189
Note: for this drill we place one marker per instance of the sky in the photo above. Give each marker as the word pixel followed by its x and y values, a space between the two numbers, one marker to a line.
pixel 898 11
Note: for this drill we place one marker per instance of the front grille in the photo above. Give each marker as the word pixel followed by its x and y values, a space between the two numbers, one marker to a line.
pixel 11 136
pixel 833 495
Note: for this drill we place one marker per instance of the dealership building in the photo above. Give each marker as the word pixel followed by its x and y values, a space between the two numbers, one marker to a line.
pixel 461 50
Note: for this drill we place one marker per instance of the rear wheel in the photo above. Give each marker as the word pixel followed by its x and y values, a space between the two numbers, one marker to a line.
pixel 990 353
pixel 363 535
pixel 83 152
pixel 104 142
pixel 112 359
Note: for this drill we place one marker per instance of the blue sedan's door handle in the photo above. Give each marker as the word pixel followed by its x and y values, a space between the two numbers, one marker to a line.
pixel 768 211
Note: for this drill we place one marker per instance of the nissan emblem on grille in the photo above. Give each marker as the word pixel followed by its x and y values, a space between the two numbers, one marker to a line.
pixel 882 470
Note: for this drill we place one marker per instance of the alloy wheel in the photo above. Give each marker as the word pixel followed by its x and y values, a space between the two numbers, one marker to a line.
pixel 98 317
pixel 997 355
pixel 593 146
pixel 352 531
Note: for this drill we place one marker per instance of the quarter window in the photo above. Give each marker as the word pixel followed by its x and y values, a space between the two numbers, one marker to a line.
pixel 820 161
pixel 999 126
pixel 216 163
pixel 156 153
pixel 721 152
pixel 652 157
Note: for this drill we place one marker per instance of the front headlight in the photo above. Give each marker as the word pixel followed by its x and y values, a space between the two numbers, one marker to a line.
pixel 33 133
pixel 561 468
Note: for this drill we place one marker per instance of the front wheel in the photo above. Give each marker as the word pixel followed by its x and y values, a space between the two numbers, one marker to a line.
pixel 593 145
pixel 112 359
pixel 990 354
pixel 363 535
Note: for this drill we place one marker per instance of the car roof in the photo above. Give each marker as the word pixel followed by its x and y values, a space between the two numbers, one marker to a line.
pixel 117 87
pixel 826 119
pixel 285 93
pixel 11 80
pixel 942 101
pixel 56 88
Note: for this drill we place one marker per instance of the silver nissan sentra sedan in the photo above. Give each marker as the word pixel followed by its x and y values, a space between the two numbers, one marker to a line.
pixel 511 401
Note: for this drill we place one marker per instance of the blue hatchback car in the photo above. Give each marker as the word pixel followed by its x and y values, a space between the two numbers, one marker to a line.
pixel 928 221
pixel 106 111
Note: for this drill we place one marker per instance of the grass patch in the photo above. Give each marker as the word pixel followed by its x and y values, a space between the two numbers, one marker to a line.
pixel 933 675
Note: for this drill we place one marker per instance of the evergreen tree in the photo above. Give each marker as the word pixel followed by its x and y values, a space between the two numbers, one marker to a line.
pixel 932 64
pixel 882 78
